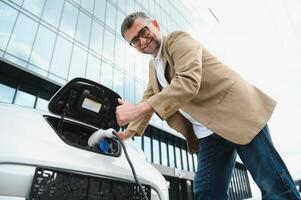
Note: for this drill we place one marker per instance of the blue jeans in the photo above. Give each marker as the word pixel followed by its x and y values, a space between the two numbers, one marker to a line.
pixel 216 160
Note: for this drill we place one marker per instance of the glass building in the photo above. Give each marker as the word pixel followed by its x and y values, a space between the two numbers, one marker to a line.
pixel 46 43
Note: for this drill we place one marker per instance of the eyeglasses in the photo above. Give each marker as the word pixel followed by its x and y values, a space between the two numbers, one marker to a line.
pixel 143 33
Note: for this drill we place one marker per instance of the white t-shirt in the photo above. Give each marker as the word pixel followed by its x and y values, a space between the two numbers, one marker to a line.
pixel 200 130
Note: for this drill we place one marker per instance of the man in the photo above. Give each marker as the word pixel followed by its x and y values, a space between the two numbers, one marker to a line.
pixel 217 111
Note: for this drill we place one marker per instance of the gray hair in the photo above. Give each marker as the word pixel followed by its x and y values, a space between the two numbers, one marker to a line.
pixel 130 19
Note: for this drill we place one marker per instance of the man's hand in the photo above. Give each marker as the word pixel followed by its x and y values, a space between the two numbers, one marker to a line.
pixel 127 112
pixel 126 134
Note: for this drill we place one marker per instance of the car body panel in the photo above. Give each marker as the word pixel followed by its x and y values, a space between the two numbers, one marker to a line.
pixel 28 141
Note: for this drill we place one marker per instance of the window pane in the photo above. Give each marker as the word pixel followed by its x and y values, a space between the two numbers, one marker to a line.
pixel 100 8
pixel 96 37
pixel 171 156
pixel 42 104
pixel 138 141
pixel 184 156
pixel 119 53
pixel 83 29
pixel 25 99
pixel 108 49
pixel 130 52
pixel 138 92
pixel 42 51
pixel 130 6
pixel 139 66
pixel 22 38
pixel 6 93
pixel 52 12
pixel 111 16
pixel 61 57
pixel 118 82
pixel 178 158
pixel 122 5
pixel 129 94
pixel 88 5
pixel 164 153
pixel 147 148
pixel 106 75
pixel 34 6
pixel 7 18
pixel 190 162
pixel 78 63
pixel 195 159
pixel 156 151
pixel 119 20
pixel 19 2
pixel 69 19
pixel 93 68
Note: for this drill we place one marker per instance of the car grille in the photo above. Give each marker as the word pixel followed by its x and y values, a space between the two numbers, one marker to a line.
pixel 50 184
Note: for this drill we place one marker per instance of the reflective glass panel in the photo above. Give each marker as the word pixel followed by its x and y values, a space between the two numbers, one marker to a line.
pixel 6 93
pixel 111 16
pixel 25 99
pixel 100 9
pixel 184 156
pixel 178 158
pixel 83 28
pixel 164 153
pixel 22 38
pixel 119 20
pixel 69 19
pixel 131 53
pixel 96 37
pixel 129 89
pixel 190 162
pixel 171 156
pixel 7 19
pixel 42 104
pixel 118 82
pixel 93 68
pixel 147 148
pixel 61 57
pixel 78 63
pixel 88 5
pixel 195 159
pixel 34 6
pixel 119 52
pixel 106 74
pixel 108 49
pixel 130 6
pixel 52 12
pixel 138 92
pixel 156 153
pixel 42 50
pixel 138 141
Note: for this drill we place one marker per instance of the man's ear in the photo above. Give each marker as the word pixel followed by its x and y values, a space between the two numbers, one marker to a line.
pixel 156 24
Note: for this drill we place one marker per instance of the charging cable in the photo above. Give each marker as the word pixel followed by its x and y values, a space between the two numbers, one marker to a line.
pixel 97 136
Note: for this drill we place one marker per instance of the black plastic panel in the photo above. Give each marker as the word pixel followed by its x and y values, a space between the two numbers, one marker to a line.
pixel 77 135
pixel 49 184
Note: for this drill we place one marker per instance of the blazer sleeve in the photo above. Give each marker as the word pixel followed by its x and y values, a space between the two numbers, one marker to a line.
pixel 140 125
pixel 186 54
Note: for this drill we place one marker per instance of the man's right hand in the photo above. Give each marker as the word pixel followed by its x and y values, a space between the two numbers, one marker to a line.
pixel 126 134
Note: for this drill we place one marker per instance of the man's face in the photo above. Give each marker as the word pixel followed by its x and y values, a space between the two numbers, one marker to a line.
pixel 151 40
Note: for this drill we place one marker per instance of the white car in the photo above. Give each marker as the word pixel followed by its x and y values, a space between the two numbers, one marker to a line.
pixel 45 155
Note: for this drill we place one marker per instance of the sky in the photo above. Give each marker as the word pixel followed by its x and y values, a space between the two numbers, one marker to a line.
pixel 260 39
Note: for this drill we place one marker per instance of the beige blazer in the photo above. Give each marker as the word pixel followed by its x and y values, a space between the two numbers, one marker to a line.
pixel 206 89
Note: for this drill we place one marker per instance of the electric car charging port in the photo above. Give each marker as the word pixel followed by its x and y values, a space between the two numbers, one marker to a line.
pixel 77 135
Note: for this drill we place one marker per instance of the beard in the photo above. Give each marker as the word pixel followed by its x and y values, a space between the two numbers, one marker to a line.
pixel 152 47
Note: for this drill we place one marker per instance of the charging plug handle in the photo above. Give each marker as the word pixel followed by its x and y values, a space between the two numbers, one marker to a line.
pixel 95 138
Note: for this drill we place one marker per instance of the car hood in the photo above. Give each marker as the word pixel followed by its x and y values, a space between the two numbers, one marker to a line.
pixel 26 138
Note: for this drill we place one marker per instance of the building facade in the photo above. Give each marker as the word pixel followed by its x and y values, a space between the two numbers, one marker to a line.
pixel 45 43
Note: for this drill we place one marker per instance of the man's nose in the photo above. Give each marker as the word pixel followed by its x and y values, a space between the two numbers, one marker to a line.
pixel 142 40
